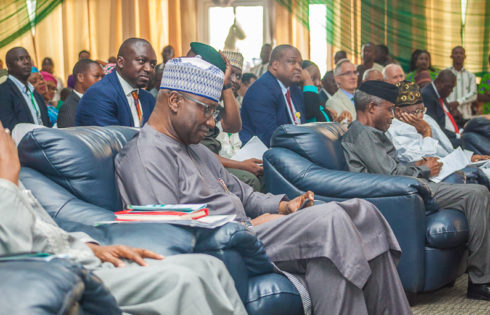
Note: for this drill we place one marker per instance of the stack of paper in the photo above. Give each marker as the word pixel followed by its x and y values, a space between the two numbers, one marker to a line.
pixel 254 148
pixel 455 161
pixel 165 212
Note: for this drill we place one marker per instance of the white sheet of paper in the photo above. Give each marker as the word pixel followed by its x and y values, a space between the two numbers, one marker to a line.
pixel 254 148
pixel 451 163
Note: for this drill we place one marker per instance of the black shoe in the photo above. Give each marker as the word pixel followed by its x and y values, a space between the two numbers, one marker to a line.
pixel 478 291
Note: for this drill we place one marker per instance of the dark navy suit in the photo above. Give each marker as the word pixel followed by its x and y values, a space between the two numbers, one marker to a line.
pixel 105 104
pixel 264 108
pixel 14 109
pixel 434 110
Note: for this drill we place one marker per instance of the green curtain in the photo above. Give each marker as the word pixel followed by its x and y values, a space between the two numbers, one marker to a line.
pixel 406 25
pixel 14 17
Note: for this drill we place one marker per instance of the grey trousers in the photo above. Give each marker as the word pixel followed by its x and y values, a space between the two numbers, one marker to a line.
pixel 182 284
pixel 258 184
pixel 474 201
pixel 380 295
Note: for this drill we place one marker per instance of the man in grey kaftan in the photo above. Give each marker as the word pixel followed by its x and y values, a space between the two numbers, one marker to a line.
pixel 345 252
pixel 182 284
pixel 367 149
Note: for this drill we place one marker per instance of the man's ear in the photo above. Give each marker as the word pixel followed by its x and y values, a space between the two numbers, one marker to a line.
pixel 80 77
pixel 371 107
pixel 174 101
pixel 120 62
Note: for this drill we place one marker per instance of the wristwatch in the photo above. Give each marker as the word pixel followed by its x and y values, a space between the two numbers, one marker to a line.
pixel 226 86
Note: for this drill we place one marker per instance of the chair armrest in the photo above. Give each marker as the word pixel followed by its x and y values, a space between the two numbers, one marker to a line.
pixel 58 286
pixel 305 175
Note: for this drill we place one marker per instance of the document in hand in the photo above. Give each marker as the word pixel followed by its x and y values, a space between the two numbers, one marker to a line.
pixel 254 148
pixel 455 161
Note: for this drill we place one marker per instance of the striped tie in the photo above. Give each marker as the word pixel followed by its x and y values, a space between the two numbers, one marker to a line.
pixel 137 105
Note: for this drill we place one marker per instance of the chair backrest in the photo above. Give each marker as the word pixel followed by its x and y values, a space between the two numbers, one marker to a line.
pixel 476 136
pixel 317 142
pixel 79 159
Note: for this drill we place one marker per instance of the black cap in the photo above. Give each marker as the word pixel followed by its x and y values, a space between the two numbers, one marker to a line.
pixel 386 91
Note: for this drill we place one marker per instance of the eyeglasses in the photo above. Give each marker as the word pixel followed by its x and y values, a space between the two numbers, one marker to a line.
pixel 349 73
pixel 418 111
pixel 208 110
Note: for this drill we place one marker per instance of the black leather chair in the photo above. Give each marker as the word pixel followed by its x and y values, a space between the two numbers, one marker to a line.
pixel 71 173
pixel 310 157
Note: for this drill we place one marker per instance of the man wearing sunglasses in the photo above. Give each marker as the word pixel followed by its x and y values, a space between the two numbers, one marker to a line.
pixel 346 77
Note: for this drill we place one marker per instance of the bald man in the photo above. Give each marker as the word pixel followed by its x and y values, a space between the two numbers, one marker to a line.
pixel 119 98
pixel 393 73
pixel 19 102
pixel 372 75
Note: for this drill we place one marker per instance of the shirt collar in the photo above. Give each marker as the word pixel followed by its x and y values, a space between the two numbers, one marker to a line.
pixel 284 89
pixel 435 89
pixel 78 93
pixel 127 88
pixel 21 86
pixel 454 69
pixel 325 91
pixel 350 96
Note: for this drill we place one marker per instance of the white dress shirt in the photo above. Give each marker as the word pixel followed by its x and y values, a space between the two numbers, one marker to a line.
pixel 295 120
pixel 464 92
pixel 128 89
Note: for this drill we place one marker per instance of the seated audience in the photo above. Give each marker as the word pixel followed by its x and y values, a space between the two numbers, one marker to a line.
pixel 464 93
pixel 119 98
pixel 265 56
pixel 3 73
pixel 329 87
pixel 83 54
pixel 311 85
pixel 51 86
pixel 180 284
pixel 367 149
pixel 65 92
pixel 19 102
pixel 434 96
pixel 165 162
pixel 420 61
pixel 86 73
pixel 275 98
pixel 372 75
pixel 423 78
pixel 251 170
pixel 393 73
pixel 48 66
pixel 247 80
pixel 154 83
pixel 346 77
pixel 484 92
pixel 168 53
pixel 368 54
pixel 411 135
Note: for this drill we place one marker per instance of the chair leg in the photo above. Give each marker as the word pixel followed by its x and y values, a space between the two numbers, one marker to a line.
pixel 411 297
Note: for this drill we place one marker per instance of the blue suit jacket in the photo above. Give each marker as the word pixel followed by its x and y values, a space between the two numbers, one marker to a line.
pixel 264 108
pixel 14 109
pixel 105 104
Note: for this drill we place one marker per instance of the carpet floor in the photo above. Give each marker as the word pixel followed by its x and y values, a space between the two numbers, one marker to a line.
pixel 450 301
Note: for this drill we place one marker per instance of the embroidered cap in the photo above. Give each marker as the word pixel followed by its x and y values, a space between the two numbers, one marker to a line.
pixel 235 58
pixel 408 94
pixel 193 75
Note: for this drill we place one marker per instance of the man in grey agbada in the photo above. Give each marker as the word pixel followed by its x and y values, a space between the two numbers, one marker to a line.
pixel 368 149
pixel 141 281
pixel 344 253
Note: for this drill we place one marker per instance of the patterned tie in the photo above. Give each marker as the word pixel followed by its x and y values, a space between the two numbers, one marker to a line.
pixel 138 106
pixel 291 108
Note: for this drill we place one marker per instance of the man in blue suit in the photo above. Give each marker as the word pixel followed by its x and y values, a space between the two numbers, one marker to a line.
pixel 274 99
pixel 19 102
pixel 119 98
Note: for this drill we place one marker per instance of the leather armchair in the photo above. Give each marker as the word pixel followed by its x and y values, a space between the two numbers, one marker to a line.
pixel 310 157
pixel 58 286
pixel 71 173
pixel 476 136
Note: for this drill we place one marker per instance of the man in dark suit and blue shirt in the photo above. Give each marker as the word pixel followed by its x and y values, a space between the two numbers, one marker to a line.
pixel 19 102
pixel 274 99
pixel 119 98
